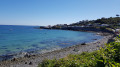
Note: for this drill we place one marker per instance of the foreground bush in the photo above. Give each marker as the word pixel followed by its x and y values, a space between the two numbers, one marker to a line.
pixel 109 56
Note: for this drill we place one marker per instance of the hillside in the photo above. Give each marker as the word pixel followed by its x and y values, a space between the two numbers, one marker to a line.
pixel 112 22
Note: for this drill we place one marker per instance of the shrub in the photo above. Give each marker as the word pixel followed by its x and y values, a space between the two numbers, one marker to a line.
pixel 109 56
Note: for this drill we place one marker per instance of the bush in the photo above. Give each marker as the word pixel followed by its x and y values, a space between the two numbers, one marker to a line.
pixel 109 56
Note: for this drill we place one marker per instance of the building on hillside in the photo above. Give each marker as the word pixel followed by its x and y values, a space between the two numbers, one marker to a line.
pixel 117 31
pixel 104 25
pixel 119 24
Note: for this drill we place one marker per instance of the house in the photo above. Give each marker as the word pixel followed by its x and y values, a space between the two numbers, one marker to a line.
pixel 104 25
pixel 119 24
pixel 96 25
pixel 89 25
pixel 117 31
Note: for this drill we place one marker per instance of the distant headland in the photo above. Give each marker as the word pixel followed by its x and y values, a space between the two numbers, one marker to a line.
pixel 111 25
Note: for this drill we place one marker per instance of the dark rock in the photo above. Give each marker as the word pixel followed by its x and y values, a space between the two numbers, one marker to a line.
pixel 94 39
pixel 34 45
pixel 110 40
pixel 6 57
pixel 28 56
pixel 98 46
pixel 76 50
pixel 25 62
pixel 33 55
pixel 30 63
pixel 83 43
pixel 14 59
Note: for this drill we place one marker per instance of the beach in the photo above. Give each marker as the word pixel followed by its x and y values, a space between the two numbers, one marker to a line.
pixel 34 60
pixel 59 33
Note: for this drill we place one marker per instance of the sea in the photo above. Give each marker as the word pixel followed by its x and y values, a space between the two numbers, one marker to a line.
pixel 16 39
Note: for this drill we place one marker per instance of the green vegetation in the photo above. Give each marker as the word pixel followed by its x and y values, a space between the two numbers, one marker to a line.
pixel 113 22
pixel 108 56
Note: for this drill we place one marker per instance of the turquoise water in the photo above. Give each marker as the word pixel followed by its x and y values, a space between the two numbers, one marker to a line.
pixel 15 39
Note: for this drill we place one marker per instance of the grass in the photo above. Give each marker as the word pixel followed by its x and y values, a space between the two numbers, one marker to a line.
pixel 109 56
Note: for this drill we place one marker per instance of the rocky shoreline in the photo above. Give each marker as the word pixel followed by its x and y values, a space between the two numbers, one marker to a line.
pixel 34 60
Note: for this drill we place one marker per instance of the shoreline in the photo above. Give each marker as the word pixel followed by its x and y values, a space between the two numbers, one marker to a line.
pixel 34 60
pixel 6 57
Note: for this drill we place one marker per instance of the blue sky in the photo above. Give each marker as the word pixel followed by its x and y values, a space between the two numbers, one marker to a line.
pixel 50 12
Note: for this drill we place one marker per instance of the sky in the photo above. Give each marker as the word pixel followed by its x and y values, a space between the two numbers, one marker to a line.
pixel 51 12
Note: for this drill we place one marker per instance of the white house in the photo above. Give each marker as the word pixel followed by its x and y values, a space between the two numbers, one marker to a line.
pixel 117 31
pixel 104 25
